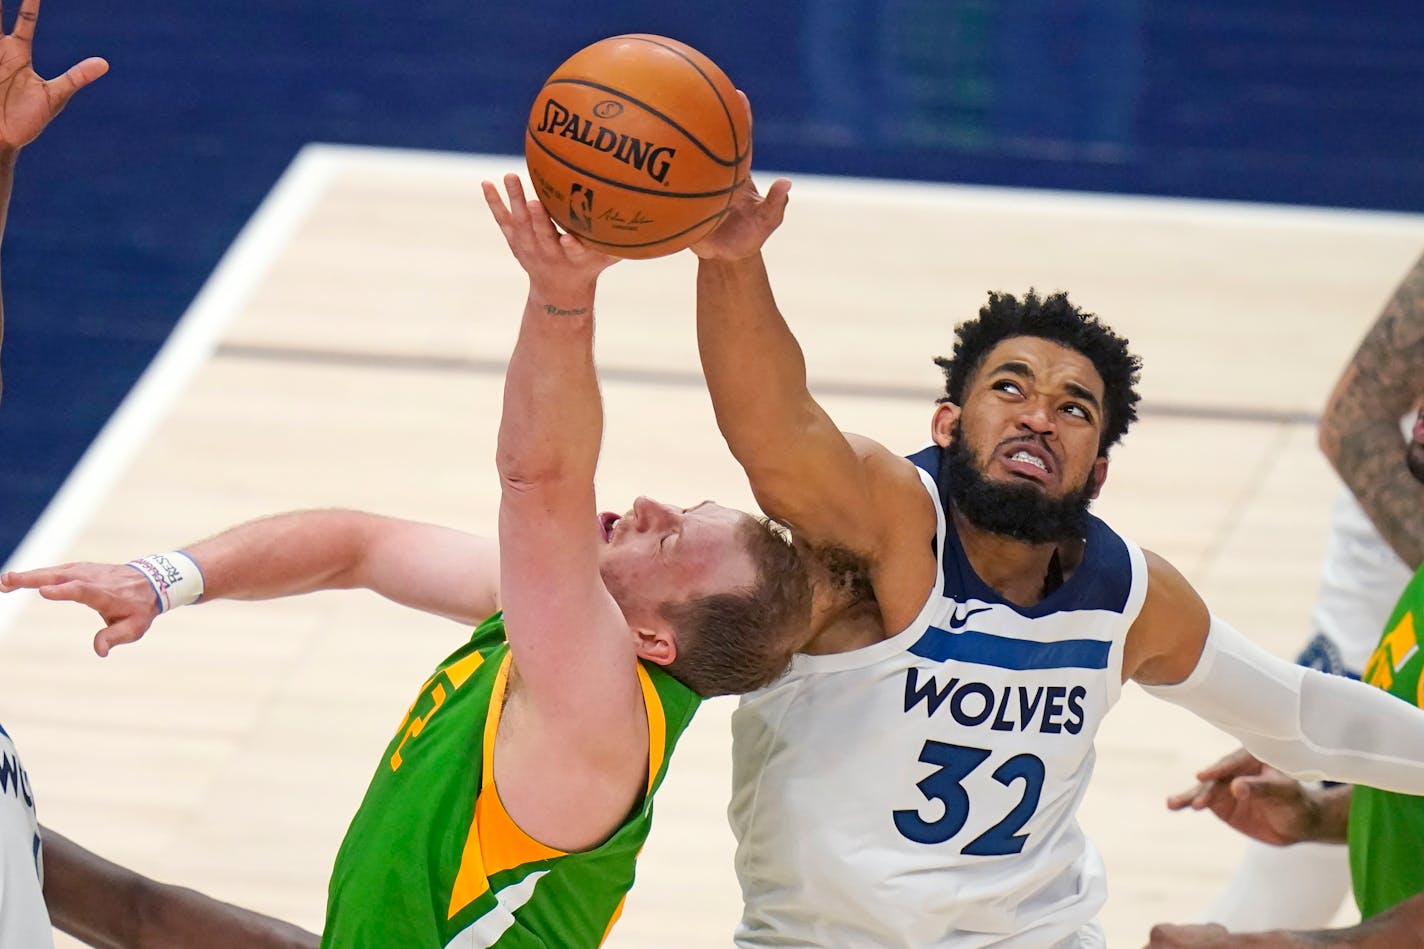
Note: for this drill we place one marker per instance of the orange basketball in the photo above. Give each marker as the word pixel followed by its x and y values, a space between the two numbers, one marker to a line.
pixel 636 144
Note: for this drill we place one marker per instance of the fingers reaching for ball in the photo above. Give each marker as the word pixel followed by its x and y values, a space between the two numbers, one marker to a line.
pixel 559 265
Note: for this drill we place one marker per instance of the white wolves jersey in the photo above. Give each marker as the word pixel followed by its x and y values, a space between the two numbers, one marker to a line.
pixel 922 791
pixel 24 922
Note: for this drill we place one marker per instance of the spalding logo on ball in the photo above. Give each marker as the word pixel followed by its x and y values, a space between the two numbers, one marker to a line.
pixel 636 144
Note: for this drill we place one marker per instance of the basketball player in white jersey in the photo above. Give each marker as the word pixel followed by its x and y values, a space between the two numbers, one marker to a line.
pixel 914 781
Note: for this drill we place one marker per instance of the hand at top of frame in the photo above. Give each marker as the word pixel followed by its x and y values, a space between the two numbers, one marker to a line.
pixel 27 102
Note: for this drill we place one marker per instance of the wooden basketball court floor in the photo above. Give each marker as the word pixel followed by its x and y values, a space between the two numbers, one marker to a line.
pixel 349 352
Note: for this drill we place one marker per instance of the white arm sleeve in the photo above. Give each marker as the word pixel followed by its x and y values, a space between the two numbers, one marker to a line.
pixel 1308 724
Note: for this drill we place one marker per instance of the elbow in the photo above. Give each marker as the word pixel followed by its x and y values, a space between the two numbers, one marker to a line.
pixel 519 478
pixel 520 473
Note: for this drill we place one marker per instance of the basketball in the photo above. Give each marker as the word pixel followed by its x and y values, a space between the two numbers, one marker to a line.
pixel 636 144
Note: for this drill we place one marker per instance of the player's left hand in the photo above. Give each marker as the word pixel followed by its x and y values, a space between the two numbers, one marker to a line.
pixel 560 266
pixel 27 102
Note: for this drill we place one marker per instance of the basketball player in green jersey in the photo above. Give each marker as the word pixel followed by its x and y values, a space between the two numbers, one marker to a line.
pixel 1360 435
pixel 510 804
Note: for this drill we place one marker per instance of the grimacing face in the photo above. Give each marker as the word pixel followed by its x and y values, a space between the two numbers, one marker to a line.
pixel 658 553
pixel 1022 452
pixel 1033 413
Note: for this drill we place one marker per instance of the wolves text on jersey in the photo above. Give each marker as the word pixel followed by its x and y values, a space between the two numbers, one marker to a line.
pixel 1049 709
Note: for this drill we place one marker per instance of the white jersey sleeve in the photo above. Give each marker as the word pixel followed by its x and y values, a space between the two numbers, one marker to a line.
pixel 24 921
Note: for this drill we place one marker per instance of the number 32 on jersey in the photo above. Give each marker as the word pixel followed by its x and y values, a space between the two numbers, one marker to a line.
pixel 945 786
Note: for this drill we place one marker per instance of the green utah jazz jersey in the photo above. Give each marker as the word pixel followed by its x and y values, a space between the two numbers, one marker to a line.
pixel 1385 827
pixel 432 859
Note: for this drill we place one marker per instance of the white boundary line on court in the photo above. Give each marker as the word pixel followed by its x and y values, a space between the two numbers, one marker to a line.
pixel 182 355
pixel 859 191
pixel 286 206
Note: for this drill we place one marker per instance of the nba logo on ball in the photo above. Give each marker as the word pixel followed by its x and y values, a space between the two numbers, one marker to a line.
pixel 636 144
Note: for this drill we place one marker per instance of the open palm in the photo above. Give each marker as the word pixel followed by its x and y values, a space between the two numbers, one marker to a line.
pixel 27 102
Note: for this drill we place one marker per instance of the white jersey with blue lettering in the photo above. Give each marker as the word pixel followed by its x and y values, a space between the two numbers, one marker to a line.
pixel 922 791
pixel 24 921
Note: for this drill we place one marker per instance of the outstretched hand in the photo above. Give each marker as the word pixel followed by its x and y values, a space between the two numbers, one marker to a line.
pixel 560 266
pixel 27 102
pixel 120 595
pixel 1253 798
pixel 748 223
pixel 750 219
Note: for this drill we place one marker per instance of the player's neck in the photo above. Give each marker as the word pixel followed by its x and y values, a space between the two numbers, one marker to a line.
pixel 1020 572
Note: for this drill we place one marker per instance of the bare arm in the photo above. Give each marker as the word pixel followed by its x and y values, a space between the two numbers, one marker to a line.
pixel 111 907
pixel 1359 431
pixel 1399 928
pixel 802 468
pixel 572 649
pixel 433 569
pixel 424 566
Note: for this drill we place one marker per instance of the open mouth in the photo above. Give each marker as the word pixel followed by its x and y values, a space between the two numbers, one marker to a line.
pixel 606 520
pixel 1027 461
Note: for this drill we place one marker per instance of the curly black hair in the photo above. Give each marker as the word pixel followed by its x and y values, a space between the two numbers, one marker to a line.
pixel 1056 319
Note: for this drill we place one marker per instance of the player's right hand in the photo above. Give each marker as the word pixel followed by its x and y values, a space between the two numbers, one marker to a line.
pixel 561 267
pixel 1253 798
pixel 120 594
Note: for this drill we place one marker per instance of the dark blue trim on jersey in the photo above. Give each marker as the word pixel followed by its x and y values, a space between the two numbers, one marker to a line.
pixel 985 649
pixel 1101 581
pixel 4 732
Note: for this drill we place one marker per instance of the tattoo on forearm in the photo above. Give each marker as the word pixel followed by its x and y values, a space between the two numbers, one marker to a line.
pixel 555 311
pixel 1360 428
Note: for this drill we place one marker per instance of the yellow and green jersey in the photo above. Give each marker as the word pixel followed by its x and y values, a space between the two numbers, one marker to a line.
pixel 1385 827
pixel 432 859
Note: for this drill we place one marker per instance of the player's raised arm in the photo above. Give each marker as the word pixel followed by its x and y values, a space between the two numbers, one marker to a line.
pixel 802 468
pixel 1306 723
pixel 430 568
pixel 27 102
pixel 1359 431
pixel 572 648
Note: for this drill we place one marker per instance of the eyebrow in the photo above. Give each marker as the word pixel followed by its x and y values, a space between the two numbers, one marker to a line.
pixel 1074 389
pixel 697 505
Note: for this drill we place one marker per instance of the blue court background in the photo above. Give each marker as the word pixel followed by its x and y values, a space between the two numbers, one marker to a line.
pixel 125 205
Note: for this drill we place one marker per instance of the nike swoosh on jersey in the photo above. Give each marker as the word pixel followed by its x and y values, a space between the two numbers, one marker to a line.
pixel 957 622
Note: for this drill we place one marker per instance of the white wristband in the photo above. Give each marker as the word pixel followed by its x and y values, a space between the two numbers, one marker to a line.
pixel 174 576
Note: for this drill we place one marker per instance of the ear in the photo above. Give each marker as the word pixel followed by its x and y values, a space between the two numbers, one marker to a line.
pixel 942 425
pixel 1100 475
pixel 658 646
